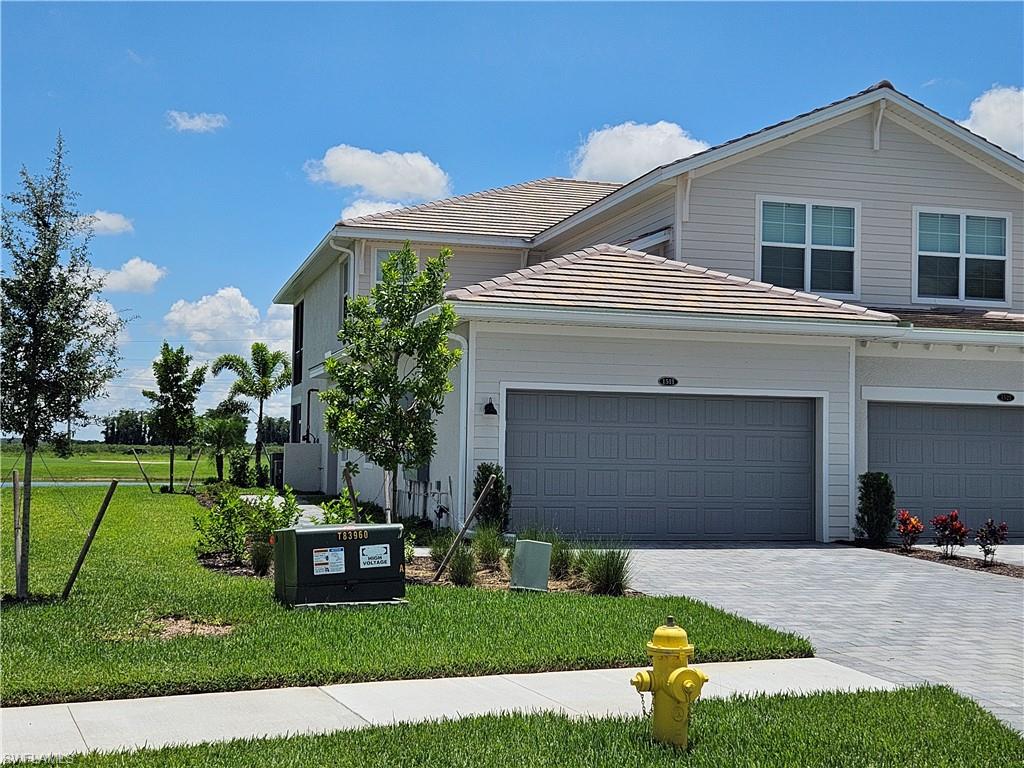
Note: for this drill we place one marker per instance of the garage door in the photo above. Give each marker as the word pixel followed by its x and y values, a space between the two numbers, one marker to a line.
pixel 943 457
pixel 661 467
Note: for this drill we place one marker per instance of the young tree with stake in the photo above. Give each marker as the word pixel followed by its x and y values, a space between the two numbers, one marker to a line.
pixel 59 340
pixel 174 401
pixel 393 377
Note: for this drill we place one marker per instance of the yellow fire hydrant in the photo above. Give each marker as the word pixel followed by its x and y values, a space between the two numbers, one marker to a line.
pixel 674 684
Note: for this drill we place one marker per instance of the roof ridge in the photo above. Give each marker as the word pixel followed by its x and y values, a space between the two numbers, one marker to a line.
pixel 469 196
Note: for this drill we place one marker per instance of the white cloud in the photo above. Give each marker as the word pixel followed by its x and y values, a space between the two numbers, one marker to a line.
pixel 134 276
pixel 623 152
pixel 998 115
pixel 387 175
pixel 108 222
pixel 199 122
pixel 226 321
pixel 363 207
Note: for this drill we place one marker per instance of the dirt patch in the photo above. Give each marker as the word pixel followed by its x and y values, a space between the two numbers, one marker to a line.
pixel 969 563
pixel 420 570
pixel 224 563
pixel 170 627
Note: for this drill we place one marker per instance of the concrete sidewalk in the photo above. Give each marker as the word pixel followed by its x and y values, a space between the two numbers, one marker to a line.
pixel 57 730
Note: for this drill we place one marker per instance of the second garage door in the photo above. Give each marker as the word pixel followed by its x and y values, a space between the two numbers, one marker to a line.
pixel 661 467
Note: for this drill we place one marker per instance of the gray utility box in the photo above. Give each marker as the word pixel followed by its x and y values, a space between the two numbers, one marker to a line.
pixel 530 565
pixel 326 564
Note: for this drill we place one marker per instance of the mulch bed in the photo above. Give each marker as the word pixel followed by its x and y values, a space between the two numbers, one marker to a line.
pixel 224 563
pixel 420 570
pixel 970 563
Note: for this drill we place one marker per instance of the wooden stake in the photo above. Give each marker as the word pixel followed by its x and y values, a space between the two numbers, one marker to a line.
pixel 143 471
pixel 88 540
pixel 16 493
pixel 351 491
pixel 194 467
pixel 465 526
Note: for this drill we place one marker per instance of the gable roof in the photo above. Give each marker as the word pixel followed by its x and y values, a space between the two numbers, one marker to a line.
pixel 519 210
pixel 996 159
pixel 611 277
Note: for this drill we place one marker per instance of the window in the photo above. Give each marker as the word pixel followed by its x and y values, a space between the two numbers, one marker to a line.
pixel 808 246
pixel 296 423
pixel 961 256
pixel 297 343
pixel 380 256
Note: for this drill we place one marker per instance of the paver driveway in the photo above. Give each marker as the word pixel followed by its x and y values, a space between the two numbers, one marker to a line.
pixel 904 620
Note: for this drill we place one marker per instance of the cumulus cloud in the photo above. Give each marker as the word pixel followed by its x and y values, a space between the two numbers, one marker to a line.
pixel 998 115
pixel 226 321
pixel 363 207
pixel 385 175
pixel 134 276
pixel 198 122
pixel 623 152
pixel 108 223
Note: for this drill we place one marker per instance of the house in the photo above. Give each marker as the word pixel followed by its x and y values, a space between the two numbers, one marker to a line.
pixel 717 349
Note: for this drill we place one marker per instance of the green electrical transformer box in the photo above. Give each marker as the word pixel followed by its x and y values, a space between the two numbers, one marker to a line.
pixel 335 564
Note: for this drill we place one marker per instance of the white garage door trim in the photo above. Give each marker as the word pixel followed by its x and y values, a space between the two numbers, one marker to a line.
pixel 819 396
pixel 940 396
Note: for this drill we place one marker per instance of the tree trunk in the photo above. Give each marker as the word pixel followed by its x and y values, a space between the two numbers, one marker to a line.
pixel 170 484
pixel 219 461
pixel 259 441
pixel 21 577
pixel 390 495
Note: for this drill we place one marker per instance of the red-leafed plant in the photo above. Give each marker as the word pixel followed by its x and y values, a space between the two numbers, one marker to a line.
pixel 990 536
pixel 950 532
pixel 909 529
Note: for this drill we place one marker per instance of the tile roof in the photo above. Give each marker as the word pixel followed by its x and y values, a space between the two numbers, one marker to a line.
pixel 960 319
pixel 520 210
pixel 616 278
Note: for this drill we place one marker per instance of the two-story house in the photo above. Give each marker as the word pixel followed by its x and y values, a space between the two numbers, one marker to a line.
pixel 717 349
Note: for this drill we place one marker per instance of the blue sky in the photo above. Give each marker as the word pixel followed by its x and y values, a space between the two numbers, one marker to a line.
pixel 487 94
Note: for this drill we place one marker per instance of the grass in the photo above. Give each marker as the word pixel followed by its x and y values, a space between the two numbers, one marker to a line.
pixel 915 727
pixel 110 465
pixel 101 644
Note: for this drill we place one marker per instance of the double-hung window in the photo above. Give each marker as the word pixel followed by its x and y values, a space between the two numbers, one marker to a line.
pixel 808 246
pixel 961 256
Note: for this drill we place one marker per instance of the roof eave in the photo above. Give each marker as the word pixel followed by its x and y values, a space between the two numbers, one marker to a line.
pixel 425 236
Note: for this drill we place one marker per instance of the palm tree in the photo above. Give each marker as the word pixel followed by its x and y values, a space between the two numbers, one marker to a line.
pixel 221 433
pixel 258 380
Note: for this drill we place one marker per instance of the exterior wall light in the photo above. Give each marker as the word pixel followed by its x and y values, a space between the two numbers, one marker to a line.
pixel 490 409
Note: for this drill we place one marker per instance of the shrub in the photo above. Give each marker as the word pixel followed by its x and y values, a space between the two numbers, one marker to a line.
pixel 487 544
pixel 241 528
pixel 608 571
pixel 950 533
pixel 462 568
pixel 990 536
pixel 420 527
pixel 261 556
pixel 876 508
pixel 240 471
pixel 338 511
pixel 439 547
pixel 909 529
pixel 222 527
pixel 409 547
pixel 371 512
pixel 495 508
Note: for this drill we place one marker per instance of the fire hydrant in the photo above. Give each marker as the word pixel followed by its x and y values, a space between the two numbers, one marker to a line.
pixel 674 684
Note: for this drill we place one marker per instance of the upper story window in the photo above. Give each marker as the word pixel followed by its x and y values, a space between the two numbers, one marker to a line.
pixel 808 246
pixel 297 333
pixel 380 255
pixel 961 256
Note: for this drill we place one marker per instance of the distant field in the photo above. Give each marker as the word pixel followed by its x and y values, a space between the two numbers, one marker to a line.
pixel 93 463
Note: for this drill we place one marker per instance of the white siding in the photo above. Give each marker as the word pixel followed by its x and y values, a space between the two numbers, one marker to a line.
pixel 944 367
pixel 620 359
pixel 468 265
pixel 840 164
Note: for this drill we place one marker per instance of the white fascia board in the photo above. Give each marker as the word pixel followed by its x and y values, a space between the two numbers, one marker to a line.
pixel 286 294
pixel 953 336
pixel 667 320
pixel 940 395
pixel 420 236
pixel 662 236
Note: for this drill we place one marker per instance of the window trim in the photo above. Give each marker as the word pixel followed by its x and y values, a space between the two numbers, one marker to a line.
pixel 962 300
pixel 808 246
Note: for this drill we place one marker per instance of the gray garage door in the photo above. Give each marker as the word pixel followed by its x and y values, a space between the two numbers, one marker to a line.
pixel 943 457
pixel 661 467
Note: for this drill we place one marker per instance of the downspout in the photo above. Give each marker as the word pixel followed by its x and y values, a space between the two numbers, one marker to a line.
pixel 877 139
pixel 309 413
pixel 459 506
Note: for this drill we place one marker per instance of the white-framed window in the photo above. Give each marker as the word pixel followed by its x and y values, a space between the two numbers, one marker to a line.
pixel 809 245
pixel 380 255
pixel 961 256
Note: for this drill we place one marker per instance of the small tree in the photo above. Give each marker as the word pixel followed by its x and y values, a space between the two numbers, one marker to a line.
pixel 174 401
pixel 495 508
pixel 876 508
pixel 221 433
pixel 392 381
pixel 59 341
pixel 259 380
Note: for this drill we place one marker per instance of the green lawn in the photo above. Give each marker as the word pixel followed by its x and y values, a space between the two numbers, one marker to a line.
pixel 905 728
pixel 99 644
pixel 109 465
